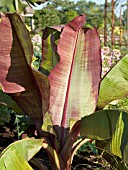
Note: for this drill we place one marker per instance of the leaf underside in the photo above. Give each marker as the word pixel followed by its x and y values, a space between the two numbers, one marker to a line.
pixel 20 82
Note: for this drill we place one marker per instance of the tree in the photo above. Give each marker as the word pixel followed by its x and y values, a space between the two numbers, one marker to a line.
pixel 105 22
pixel 69 15
pixel 93 11
pixel 46 17
pixel 63 7
pixel 125 18
pixel 56 12
pixel 113 24
pixel 66 10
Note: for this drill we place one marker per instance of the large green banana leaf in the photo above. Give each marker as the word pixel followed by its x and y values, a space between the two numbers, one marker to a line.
pixel 17 155
pixel 115 84
pixel 109 125
pixel 74 81
pixel 30 89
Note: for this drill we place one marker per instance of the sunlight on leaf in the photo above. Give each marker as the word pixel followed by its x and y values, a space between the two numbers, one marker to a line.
pixel 17 155
pixel 115 84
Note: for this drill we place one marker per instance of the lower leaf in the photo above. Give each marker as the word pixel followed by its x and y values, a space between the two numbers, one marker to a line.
pixel 108 124
pixel 17 155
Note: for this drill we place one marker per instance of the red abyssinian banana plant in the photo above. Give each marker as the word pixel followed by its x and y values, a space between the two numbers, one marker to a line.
pixel 61 98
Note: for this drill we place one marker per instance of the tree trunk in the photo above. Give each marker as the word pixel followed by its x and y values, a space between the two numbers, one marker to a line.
pixel 105 22
pixel 113 25
pixel 120 26
pixel 127 21
pixel 127 16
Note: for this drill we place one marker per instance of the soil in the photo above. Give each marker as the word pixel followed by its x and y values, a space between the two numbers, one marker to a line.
pixel 85 161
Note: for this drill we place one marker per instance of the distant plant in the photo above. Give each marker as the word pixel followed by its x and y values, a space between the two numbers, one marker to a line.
pixel 109 58
pixel 37 47
pixel 4 115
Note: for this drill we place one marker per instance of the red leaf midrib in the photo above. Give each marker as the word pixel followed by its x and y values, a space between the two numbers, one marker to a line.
pixel 63 121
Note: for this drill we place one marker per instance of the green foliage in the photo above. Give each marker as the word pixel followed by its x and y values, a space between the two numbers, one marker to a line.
pixel 37 51
pixel 125 18
pixel 11 6
pixel 124 48
pixel 36 59
pixel 60 12
pixel 93 11
pixel 89 147
pixel 7 100
pixel 46 17
pixel 20 152
pixel 121 104
pixel 70 15
pixel 4 115
pixel 22 122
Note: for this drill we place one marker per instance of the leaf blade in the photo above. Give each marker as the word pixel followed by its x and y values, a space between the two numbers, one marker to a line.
pixel 20 73
pixel 5 49
pixel 63 76
pixel 113 127
pixel 21 152
pixel 50 56
pixel 114 84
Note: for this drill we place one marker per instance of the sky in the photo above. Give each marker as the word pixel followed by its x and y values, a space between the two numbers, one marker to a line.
pixel 117 10
pixel 96 1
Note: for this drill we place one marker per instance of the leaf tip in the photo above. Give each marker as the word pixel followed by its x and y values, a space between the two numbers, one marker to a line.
pixel 77 22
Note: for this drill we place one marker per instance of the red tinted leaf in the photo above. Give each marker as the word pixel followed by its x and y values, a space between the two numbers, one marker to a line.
pixel 5 60
pixel 20 73
pixel 75 79
pixel 44 87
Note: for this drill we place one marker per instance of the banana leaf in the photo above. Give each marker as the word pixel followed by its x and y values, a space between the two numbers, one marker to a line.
pixel 17 78
pixel 50 57
pixel 17 155
pixel 110 125
pixel 74 81
pixel 115 84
